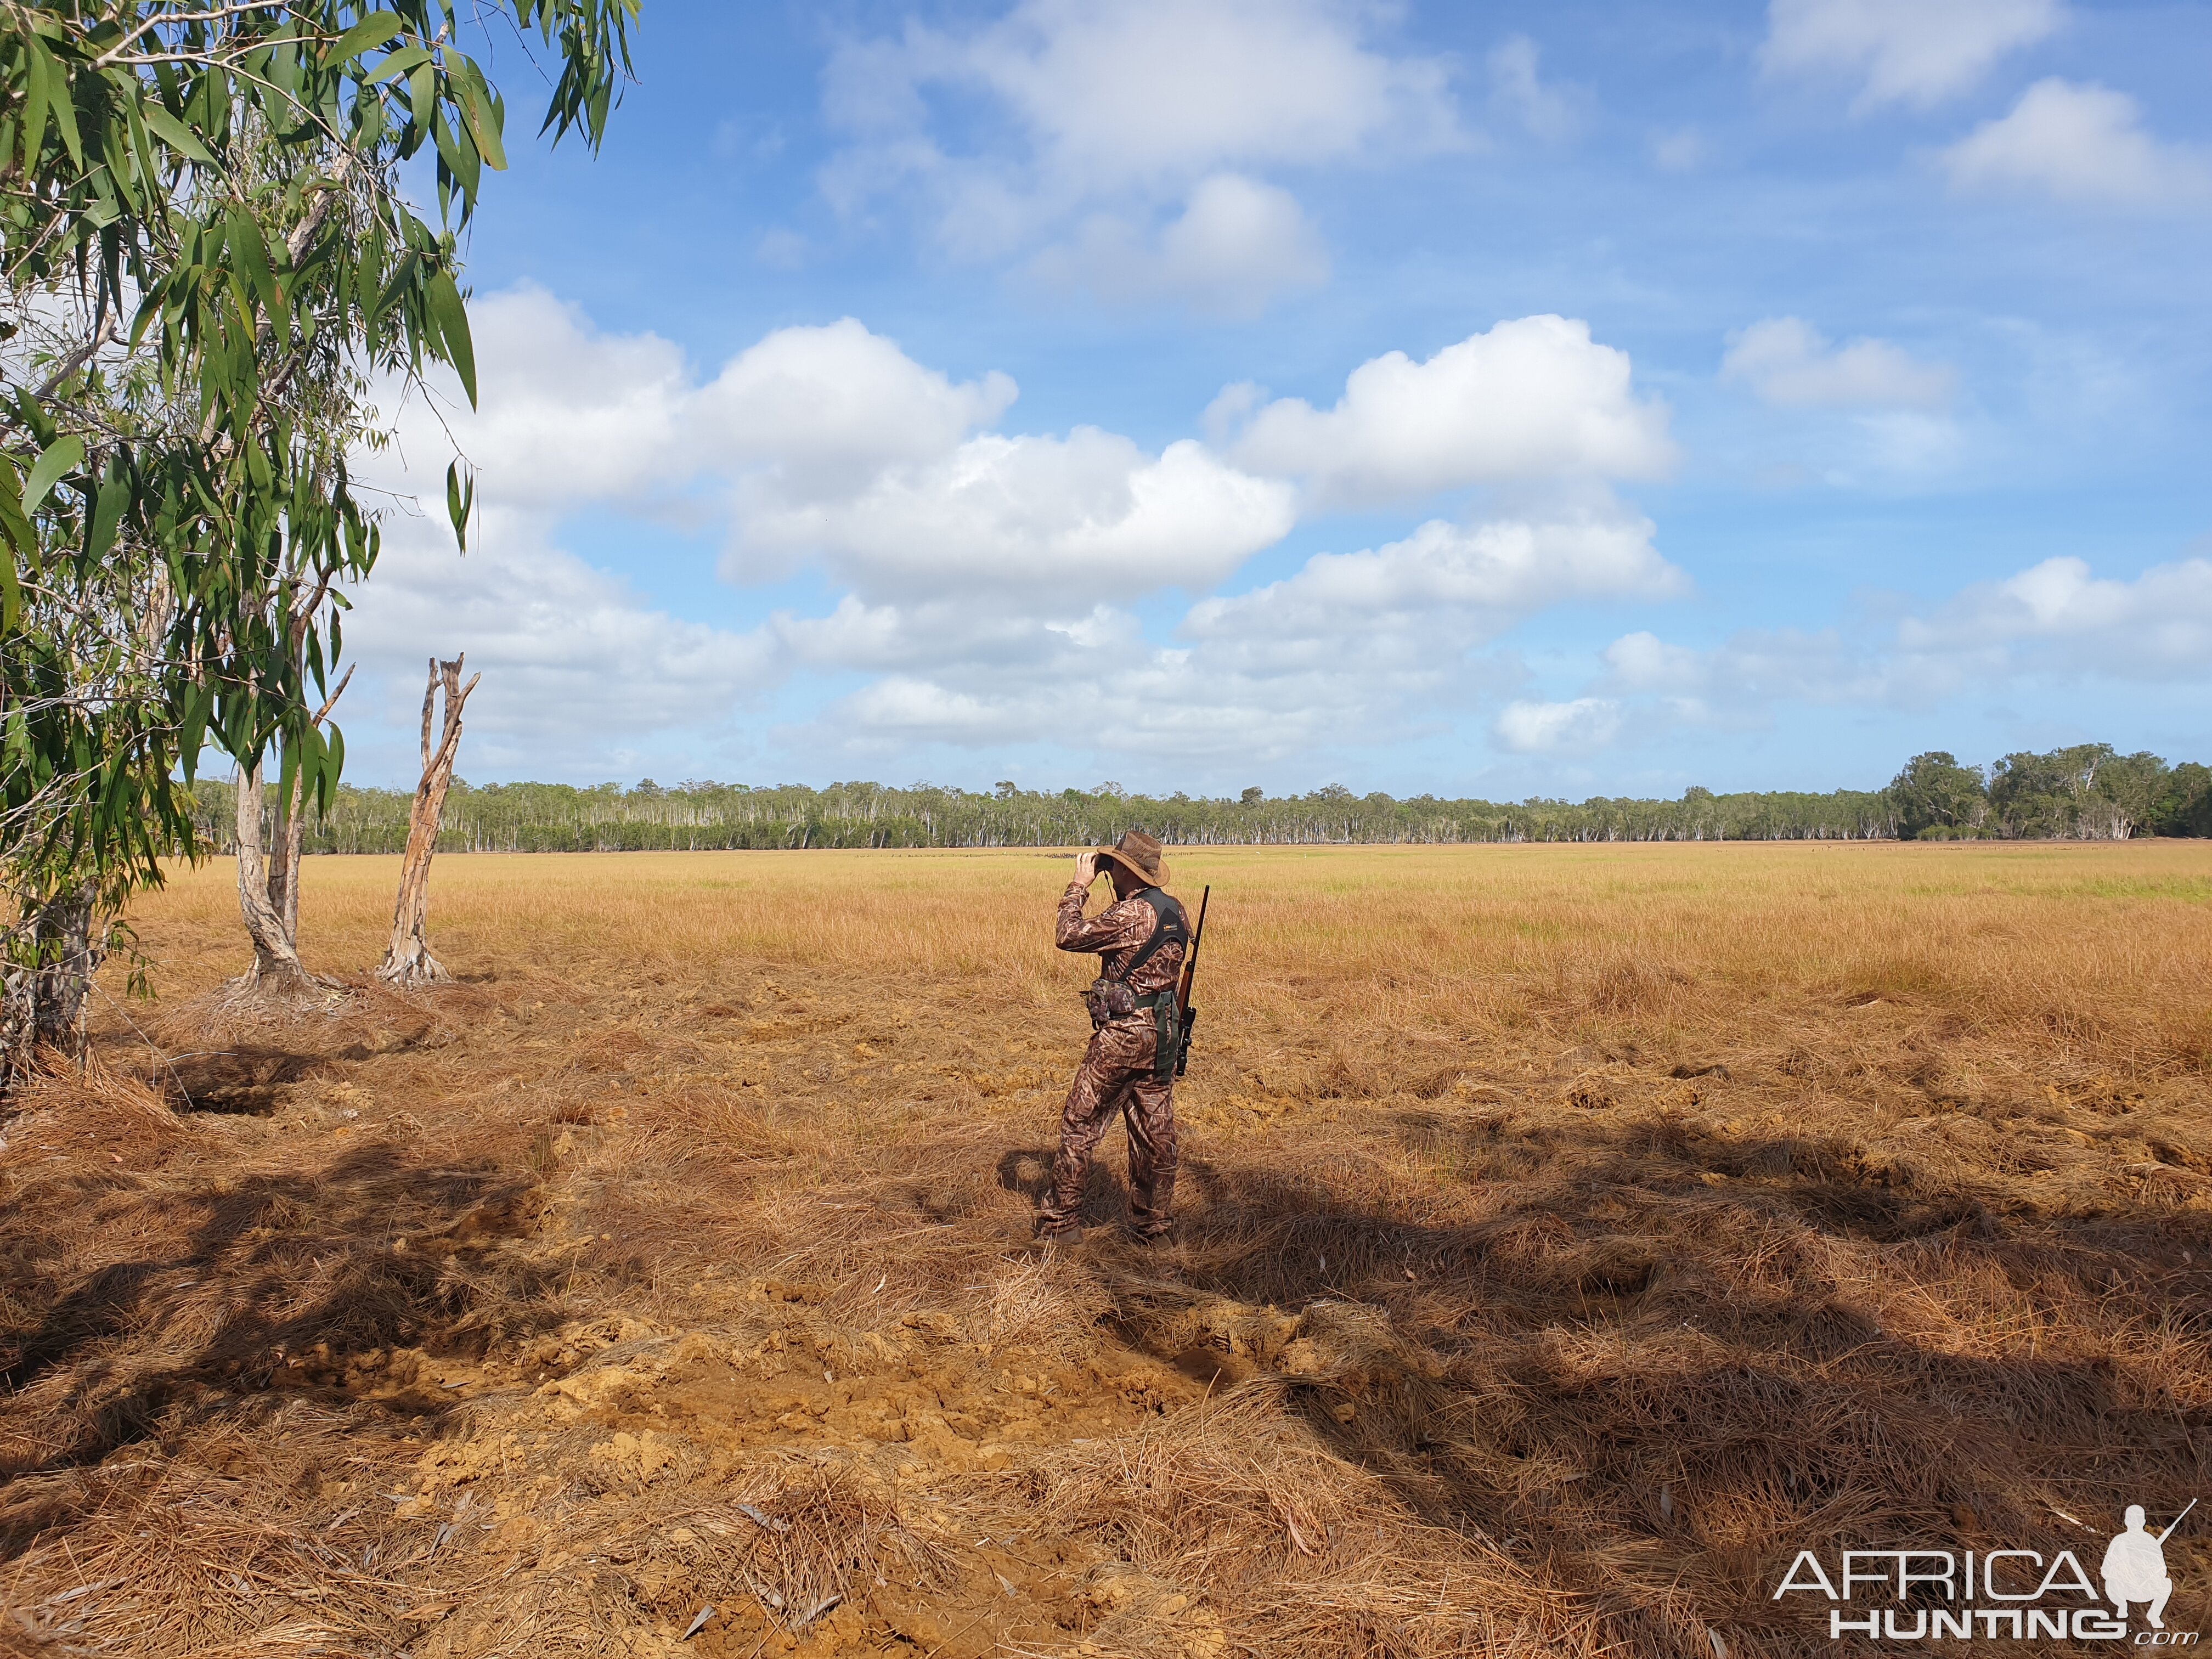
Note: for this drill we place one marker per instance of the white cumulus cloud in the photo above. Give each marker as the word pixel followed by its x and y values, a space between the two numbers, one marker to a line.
pixel 2057 620
pixel 1091 514
pixel 1737 683
pixel 1164 89
pixel 1094 681
pixel 1789 363
pixel 1579 726
pixel 1387 640
pixel 1488 574
pixel 1641 661
pixel 987 581
pixel 1907 51
pixel 830 443
pixel 1237 244
pixel 1130 134
pixel 831 405
pixel 2059 616
pixel 1349 649
pixel 573 657
pixel 567 414
pixel 822 445
pixel 570 415
pixel 1532 399
pixel 2083 143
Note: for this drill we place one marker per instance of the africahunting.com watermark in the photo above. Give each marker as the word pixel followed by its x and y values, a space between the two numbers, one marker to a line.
pixel 1927 1594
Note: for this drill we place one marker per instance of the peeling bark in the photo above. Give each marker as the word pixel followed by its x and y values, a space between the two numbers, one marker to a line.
pixel 261 892
pixel 52 955
pixel 408 961
pixel 268 880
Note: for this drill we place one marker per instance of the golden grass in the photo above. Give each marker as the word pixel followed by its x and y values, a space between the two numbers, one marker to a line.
pixel 1568 1235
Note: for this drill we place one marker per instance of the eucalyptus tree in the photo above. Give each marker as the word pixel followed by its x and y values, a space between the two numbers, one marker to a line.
pixel 206 259
pixel 1934 794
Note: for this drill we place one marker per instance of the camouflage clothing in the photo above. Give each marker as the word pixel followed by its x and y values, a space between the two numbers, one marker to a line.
pixel 1118 1071
pixel 1117 933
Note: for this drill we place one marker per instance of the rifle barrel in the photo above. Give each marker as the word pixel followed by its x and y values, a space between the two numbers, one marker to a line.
pixel 1190 961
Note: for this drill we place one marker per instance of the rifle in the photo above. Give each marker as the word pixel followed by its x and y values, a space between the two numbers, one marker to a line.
pixel 1187 1016
pixel 2178 1520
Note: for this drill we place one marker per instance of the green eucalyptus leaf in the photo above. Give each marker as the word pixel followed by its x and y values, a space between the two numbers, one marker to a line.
pixel 107 513
pixel 192 730
pixel 61 456
pixel 288 767
pixel 372 31
pixel 455 508
pixel 485 115
pixel 459 152
pixel 403 62
pixel 38 92
pixel 16 533
pixel 250 256
pixel 334 767
pixel 64 106
pixel 175 133
pixel 452 319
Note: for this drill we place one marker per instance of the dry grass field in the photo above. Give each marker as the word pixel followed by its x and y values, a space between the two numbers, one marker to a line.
pixel 1568 1236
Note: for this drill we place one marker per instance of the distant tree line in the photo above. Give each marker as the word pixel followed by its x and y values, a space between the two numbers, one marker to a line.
pixel 2089 793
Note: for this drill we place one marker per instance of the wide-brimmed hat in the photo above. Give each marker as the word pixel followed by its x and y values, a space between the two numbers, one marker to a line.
pixel 1140 854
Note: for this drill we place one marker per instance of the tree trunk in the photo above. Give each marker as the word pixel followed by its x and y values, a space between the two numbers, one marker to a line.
pixel 408 961
pixel 285 860
pixel 262 895
pixel 269 878
pixel 55 950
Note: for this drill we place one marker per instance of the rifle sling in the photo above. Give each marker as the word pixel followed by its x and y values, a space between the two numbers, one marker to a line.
pixel 1169 926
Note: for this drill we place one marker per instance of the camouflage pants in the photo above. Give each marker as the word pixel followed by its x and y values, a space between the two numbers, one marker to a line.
pixel 1117 1075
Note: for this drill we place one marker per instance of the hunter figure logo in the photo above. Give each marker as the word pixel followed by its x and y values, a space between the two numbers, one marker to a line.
pixel 2134 1566
pixel 2012 1594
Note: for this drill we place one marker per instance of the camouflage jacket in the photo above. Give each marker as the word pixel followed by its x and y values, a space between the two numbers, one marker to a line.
pixel 1117 933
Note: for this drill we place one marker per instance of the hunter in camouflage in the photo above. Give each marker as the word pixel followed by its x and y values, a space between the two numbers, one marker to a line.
pixel 1140 939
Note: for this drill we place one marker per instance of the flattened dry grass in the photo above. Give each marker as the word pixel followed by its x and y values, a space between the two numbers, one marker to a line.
pixel 1568 1235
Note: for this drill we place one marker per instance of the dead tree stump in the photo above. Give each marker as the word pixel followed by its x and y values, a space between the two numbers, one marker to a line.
pixel 408 961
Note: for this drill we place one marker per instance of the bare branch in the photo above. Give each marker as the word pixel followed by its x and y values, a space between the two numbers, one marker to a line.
pixel 429 699
pixel 117 52
pixel 102 336
pixel 331 701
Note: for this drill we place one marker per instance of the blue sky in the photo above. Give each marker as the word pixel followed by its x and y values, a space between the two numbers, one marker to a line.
pixel 1476 400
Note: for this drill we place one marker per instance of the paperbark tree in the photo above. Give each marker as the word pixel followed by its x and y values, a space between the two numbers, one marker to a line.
pixel 1935 792
pixel 206 257
pixel 269 877
pixel 408 961
pixel 42 990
